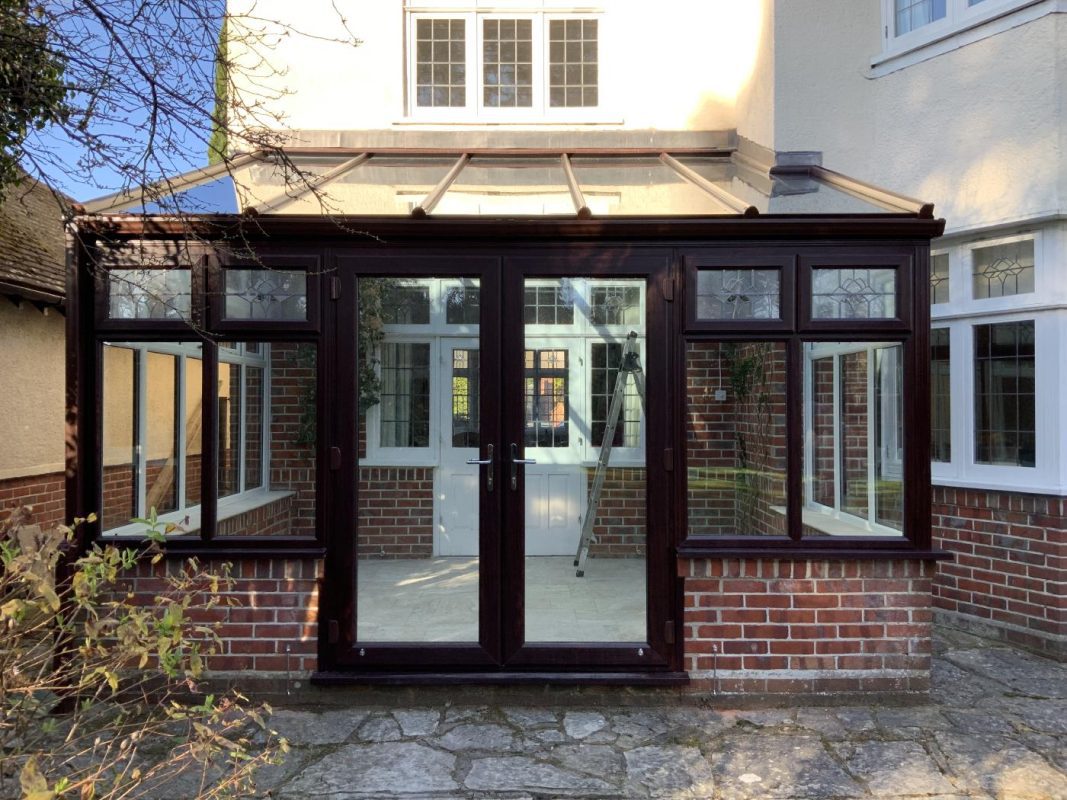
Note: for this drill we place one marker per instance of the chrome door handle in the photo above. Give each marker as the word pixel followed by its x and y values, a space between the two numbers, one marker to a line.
pixel 515 461
pixel 486 462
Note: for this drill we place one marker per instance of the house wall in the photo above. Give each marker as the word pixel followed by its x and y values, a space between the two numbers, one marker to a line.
pixel 687 76
pixel 32 407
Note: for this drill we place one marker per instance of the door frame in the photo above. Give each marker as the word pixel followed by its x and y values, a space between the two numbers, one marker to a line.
pixel 500 649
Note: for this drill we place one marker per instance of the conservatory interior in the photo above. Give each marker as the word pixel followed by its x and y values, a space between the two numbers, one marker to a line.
pixel 502 393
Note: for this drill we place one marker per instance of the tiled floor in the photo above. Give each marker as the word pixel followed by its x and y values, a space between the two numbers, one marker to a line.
pixel 436 600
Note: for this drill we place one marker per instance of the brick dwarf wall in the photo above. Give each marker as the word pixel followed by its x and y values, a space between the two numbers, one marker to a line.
pixel 763 626
pixel 736 448
pixel 275 606
pixel 395 512
pixel 1008 577
pixel 620 529
pixel 45 494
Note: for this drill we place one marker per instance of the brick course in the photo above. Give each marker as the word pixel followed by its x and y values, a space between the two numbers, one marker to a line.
pixel 1009 575
pixel 765 626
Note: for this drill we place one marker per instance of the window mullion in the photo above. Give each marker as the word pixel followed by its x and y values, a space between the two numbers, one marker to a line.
pixel 839 424
pixel 141 402
pixel 873 450
pixel 241 421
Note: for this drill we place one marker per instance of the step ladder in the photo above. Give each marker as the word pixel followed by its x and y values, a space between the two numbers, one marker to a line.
pixel 629 368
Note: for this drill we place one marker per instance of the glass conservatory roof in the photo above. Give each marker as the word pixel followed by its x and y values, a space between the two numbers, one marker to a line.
pixel 582 184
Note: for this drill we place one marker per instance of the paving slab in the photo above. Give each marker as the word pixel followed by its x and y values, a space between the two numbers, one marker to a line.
pixel 376 770
pixel 895 769
pixel 668 772
pixel 525 774
pixel 779 766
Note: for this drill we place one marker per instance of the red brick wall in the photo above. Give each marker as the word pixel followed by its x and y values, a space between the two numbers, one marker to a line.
pixel 823 424
pixel 619 529
pixel 1009 575
pixel 292 461
pixel 735 447
pixel 395 512
pixel 811 627
pixel 45 493
pixel 276 606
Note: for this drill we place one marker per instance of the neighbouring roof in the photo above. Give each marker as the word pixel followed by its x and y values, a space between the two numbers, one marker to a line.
pixel 514 183
pixel 32 244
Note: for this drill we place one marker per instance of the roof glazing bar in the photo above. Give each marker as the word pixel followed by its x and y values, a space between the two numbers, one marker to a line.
pixel 580 208
pixel 169 186
pixel 312 184
pixel 734 204
pixel 433 198
pixel 891 201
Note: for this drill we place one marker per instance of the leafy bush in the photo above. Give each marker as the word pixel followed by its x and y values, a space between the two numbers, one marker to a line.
pixel 98 693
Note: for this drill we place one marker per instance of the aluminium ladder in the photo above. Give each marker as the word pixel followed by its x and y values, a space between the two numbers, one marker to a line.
pixel 629 367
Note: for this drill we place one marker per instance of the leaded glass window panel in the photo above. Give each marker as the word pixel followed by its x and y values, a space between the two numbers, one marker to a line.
pixel 615 305
pixel 854 293
pixel 463 305
pixel 266 294
pixel 939 280
pixel 440 63
pixel 738 294
pixel 572 63
pixel 547 398
pixel 940 396
pixel 465 394
pixel 549 305
pixel 149 293
pixel 507 63
pixel 405 305
pixel 405 394
pixel 1004 396
pixel 1004 269
pixel 606 358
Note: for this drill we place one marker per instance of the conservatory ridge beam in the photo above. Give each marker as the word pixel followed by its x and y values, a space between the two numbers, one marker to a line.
pixel 891 201
pixel 283 199
pixel 580 208
pixel 170 186
pixel 433 198
pixel 733 203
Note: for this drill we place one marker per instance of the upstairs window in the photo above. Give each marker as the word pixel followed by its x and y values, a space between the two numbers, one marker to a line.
pixel 496 65
pixel 913 23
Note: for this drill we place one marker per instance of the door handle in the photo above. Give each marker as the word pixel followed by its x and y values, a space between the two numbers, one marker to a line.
pixel 486 462
pixel 515 461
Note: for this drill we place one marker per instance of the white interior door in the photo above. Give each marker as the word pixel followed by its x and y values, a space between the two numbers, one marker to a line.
pixel 456 481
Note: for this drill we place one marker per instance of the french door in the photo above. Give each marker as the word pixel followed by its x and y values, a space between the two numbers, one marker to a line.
pixel 472 408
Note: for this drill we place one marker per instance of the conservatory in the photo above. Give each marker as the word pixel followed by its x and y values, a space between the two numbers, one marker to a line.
pixel 582 416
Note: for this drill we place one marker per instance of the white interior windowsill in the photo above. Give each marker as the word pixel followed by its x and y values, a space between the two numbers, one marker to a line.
pixel 189 519
pixel 834 526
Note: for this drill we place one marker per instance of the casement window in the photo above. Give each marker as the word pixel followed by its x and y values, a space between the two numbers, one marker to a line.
pixel 1004 394
pixel 503 66
pixel 854 452
pixel 912 23
pixel 153 442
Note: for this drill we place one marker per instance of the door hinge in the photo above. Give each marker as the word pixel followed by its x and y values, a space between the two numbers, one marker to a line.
pixel 335 288
pixel 335 458
pixel 668 631
pixel 668 459
pixel 668 288
pixel 333 631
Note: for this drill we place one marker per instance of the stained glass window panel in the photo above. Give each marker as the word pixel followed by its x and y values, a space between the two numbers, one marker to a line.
pixel 149 293
pixel 615 305
pixel 738 294
pixel 266 294
pixel 1003 269
pixel 854 293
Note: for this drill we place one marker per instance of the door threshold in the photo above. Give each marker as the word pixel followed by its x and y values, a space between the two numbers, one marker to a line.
pixel 342 678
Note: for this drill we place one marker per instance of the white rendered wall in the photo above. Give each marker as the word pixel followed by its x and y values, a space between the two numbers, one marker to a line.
pixel 978 130
pixel 674 65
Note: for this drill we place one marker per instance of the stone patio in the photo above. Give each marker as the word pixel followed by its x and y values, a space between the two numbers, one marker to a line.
pixel 996 728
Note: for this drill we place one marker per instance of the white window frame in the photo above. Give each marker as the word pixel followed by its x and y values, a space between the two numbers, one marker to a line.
pixel 891 464
pixel 184 351
pixel 1047 307
pixel 475 110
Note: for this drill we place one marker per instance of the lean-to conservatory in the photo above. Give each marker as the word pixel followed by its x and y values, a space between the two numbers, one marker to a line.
pixel 585 416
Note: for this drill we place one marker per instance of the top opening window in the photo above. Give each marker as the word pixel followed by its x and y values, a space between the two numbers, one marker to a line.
pixel 479 64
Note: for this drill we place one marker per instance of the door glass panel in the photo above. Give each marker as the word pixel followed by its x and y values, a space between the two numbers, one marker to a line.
pixel 577 344
pixel 418 521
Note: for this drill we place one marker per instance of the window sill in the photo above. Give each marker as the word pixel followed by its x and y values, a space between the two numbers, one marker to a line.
pixel 835 526
pixel 189 520
pixel 531 122
pixel 946 39
pixel 831 550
